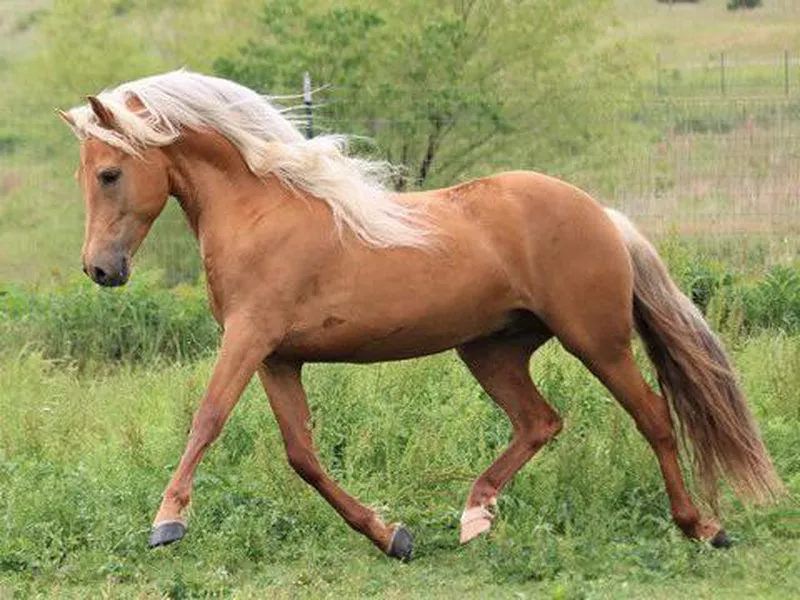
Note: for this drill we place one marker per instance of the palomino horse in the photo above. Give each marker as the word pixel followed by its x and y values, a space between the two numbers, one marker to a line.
pixel 309 258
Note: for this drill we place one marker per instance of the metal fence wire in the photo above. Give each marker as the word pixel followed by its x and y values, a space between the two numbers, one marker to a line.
pixel 722 171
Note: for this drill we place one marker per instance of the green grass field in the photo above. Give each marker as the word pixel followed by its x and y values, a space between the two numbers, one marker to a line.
pixel 84 459
pixel 689 32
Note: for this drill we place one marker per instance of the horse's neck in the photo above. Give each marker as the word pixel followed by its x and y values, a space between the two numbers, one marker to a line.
pixel 213 184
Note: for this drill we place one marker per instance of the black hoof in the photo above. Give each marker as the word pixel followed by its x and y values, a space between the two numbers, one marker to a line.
pixel 166 533
pixel 402 546
pixel 721 540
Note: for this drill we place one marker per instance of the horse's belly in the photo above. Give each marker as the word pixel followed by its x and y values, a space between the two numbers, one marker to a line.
pixel 378 337
pixel 374 306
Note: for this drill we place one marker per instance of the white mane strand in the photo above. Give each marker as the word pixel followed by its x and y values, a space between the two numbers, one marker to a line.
pixel 354 188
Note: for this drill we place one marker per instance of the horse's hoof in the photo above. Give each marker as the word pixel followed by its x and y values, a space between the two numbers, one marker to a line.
pixel 721 540
pixel 474 521
pixel 402 545
pixel 165 533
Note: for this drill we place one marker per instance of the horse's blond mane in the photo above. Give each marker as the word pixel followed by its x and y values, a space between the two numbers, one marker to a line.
pixel 354 188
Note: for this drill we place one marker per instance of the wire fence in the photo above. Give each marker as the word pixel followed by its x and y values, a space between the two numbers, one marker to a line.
pixel 717 168
pixel 728 74
pixel 723 172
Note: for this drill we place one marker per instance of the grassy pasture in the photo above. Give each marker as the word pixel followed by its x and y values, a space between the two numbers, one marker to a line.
pixel 83 461
pixel 725 166
pixel 686 43
pixel 690 32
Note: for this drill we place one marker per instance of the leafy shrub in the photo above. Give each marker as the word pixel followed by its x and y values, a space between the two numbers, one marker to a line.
pixel 140 322
pixel 146 322
pixel 774 302
pixel 705 280
pixel 737 4
pixel 729 299
pixel 8 143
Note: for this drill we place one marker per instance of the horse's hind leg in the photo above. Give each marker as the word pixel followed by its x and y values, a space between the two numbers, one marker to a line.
pixel 500 364
pixel 619 373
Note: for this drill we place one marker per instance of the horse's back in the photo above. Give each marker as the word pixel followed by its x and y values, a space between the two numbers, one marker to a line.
pixel 551 230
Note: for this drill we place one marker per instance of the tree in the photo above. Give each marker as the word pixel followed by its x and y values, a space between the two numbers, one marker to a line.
pixel 442 86
pixel 737 4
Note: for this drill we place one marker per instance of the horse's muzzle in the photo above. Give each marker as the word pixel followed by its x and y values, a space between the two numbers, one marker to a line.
pixel 112 274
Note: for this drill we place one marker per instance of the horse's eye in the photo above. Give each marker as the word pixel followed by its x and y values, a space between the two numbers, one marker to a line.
pixel 109 176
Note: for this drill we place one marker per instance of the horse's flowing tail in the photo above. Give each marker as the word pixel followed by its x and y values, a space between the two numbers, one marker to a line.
pixel 696 376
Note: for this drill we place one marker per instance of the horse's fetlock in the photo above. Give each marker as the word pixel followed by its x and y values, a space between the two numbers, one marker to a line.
pixel 179 496
pixel 687 520
pixel 365 521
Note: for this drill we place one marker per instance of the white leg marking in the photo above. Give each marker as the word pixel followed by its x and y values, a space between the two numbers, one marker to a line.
pixel 474 521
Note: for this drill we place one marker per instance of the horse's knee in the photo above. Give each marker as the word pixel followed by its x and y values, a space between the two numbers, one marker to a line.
pixel 207 424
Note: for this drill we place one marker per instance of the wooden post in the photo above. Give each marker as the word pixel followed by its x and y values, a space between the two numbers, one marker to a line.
pixel 786 72
pixel 658 74
pixel 722 72
pixel 307 102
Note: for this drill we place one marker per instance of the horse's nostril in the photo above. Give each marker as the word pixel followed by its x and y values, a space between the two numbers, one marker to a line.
pixel 98 274
pixel 85 270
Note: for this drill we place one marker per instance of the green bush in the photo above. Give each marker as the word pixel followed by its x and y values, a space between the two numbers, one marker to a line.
pixel 145 322
pixel 140 322
pixel 737 4
pixel 732 300
pixel 774 301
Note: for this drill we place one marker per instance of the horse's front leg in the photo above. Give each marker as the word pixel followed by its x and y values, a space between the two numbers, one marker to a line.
pixel 284 388
pixel 241 351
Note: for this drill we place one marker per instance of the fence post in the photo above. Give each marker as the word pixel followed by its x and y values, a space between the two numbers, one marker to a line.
pixel 786 72
pixel 658 74
pixel 307 102
pixel 722 72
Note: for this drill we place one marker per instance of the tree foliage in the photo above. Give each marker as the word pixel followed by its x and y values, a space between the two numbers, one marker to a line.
pixel 84 46
pixel 444 87
pixel 737 4
pixel 448 89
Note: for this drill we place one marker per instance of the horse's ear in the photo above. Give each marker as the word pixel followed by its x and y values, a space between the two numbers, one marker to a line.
pixel 102 113
pixel 66 117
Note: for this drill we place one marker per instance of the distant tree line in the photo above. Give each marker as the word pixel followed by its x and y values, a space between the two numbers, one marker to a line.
pixel 732 4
